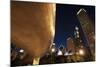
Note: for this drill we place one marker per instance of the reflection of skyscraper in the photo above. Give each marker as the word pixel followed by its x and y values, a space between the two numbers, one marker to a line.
pixel 88 28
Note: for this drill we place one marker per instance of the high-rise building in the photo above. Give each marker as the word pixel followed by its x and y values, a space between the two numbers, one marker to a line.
pixel 88 28
pixel 70 45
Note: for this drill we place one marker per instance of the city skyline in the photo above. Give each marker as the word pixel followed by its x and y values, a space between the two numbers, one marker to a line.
pixel 66 21
pixel 55 33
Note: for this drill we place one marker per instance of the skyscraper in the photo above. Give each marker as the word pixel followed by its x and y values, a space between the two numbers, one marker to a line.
pixel 88 28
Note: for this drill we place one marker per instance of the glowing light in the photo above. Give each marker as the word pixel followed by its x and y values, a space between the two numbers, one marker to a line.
pixel 77 32
pixel 81 10
pixel 21 51
pixel 76 28
pixel 78 36
pixel 53 44
pixel 66 54
pixel 53 49
pixel 36 61
pixel 70 53
pixel 81 52
pixel 59 53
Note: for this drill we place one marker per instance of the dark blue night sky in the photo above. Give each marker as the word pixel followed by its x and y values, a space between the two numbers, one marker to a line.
pixel 66 20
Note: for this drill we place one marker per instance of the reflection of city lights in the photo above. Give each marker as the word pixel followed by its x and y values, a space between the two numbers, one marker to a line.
pixel 21 51
pixel 81 52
